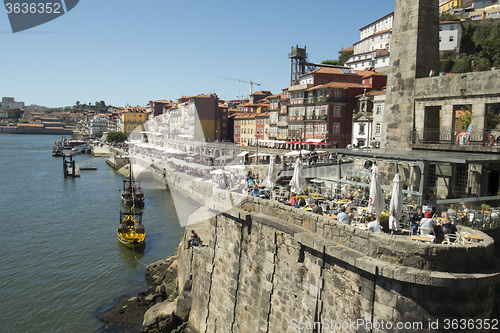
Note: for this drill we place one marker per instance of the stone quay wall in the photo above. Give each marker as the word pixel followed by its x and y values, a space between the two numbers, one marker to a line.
pixel 271 268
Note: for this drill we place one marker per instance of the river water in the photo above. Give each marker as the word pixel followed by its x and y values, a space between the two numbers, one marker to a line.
pixel 60 263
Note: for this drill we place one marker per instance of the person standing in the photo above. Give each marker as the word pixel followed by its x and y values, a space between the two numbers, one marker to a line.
pixel 452 213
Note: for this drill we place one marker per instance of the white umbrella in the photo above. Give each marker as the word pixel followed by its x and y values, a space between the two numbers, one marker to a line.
pixel 396 205
pixel 376 203
pixel 298 182
pixel 219 172
pixel 271 175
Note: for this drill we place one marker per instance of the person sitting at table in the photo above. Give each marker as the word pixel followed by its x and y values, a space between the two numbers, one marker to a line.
pixel 374 225
pixel 452 213
pixel 447 226
pixel 292 199
pixel 428 223
pixel 255 192
pixel 300 203
pixel 351 214
pixel 415 219
pixel 349 203
pixel 251 182
pixel 316 208
pixel 464 214
pixel 343 217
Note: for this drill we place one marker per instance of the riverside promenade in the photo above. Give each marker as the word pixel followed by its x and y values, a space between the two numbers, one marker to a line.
pixel 274 267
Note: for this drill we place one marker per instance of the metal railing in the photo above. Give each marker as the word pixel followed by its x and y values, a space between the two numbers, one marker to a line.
pixel 474 138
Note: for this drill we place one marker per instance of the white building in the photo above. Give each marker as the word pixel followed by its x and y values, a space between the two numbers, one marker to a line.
pixel 450 35
pixel 98 125
pixel 372 50
pixel 378 114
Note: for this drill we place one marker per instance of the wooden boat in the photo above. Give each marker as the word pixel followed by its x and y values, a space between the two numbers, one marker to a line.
pixel 131 232
pixel 132 195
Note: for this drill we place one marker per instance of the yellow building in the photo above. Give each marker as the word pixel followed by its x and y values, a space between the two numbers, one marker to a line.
pixel 447 5
pixel 133 117
pixel 247 134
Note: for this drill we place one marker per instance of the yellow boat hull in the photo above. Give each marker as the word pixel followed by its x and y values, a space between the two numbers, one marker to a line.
pixel 131 239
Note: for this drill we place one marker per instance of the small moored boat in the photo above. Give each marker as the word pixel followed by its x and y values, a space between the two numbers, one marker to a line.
pixel 131 232
pixel 57 150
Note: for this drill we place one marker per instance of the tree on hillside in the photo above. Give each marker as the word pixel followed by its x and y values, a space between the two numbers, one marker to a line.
pixel 116 137
pixel 15 114
pixel 448 17
pixel 344 56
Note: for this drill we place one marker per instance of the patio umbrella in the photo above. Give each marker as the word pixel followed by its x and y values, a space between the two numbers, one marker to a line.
pixel 396 205
pixel 376 203
pixel 298 181
pixel 219 172
pixel 272 173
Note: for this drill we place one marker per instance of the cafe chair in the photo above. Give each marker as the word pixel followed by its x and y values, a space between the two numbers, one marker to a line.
pixel 452 239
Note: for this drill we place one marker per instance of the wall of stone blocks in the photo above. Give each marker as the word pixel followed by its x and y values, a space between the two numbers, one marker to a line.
pixel 261 275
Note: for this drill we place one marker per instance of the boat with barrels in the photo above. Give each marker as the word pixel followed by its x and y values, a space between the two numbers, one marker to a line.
pixel 132 195
pixel 131 232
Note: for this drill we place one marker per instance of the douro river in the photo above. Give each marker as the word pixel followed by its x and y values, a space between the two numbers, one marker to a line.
pixel 61 265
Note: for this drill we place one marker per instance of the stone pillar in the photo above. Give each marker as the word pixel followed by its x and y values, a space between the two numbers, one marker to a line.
pixel 478 120
pixel 414 54
pixel 447 123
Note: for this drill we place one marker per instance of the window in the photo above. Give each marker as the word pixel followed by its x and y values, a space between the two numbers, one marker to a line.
pixel 377 128
pixel 451 38
pixel 362 129
pixel 336 111
pixel 323 128
pixel 379 108
pixel 336 128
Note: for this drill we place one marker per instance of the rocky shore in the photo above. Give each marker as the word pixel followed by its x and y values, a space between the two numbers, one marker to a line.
pixel 157 309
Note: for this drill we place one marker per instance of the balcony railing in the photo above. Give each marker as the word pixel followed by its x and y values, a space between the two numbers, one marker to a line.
pixel 315 117
pixel 474 138
pixel 282 123
pixel 295 118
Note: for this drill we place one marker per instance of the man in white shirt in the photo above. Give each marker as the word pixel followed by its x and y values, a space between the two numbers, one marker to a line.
pixel 374 226
pixel 427 222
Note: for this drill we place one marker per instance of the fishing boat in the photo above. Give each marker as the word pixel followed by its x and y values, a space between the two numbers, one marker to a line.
pixel 131 232
pixel 57 150
pixel 132 195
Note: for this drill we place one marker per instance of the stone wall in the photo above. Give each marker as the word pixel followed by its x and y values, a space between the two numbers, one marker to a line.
pixel 266 275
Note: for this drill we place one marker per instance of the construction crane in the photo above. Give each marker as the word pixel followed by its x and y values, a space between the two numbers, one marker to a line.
pixel 251 82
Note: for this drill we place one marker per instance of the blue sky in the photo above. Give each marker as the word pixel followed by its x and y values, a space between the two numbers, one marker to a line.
pixel 133 51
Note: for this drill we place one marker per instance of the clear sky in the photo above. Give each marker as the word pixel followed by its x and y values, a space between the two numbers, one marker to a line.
pixel 133 51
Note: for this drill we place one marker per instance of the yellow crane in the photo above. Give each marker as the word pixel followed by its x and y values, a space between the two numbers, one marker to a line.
pixel 251 82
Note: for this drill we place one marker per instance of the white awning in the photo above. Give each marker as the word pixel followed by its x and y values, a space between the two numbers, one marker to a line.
pixel 313 140
pixel 243 153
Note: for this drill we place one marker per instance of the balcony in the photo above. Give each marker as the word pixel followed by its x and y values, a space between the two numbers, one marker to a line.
pixel 315 117
pixel 442 140
pixel 295 118
pixel 282 123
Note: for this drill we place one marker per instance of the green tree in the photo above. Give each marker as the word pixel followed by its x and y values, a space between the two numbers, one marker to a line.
pixel 116 137
pixel 462 65
pixel 448 17
pixel 15 114
pixel 330 62
pixel 344 56
pixel 465 117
